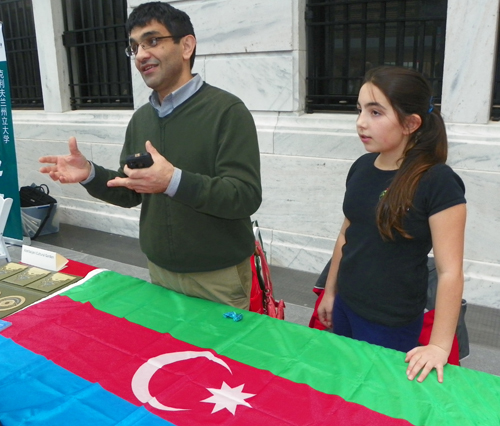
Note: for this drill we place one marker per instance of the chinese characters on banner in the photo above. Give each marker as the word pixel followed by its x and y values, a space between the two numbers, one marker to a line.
pixel 3 110
pixel 9 186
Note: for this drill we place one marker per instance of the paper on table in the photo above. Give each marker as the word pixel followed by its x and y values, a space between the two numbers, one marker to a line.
pixel 43 258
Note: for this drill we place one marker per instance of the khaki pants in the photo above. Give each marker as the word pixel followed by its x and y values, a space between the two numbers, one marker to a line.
pixel 230 286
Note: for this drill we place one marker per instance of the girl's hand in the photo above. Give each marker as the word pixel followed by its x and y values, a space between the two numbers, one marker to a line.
pixel 425 359
pixel 325 310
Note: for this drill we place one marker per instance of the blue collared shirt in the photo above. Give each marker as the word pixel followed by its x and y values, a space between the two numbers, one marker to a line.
pixel 172 101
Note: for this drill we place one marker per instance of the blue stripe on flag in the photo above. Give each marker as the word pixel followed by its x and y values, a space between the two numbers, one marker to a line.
pixel 44 393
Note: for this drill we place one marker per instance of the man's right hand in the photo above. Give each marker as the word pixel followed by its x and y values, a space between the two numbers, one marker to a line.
pixel 72 168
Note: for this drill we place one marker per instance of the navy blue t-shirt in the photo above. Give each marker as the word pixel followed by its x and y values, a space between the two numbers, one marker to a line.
pixel 386 281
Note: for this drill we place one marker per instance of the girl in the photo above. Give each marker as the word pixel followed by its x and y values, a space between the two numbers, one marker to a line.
pixel 401 201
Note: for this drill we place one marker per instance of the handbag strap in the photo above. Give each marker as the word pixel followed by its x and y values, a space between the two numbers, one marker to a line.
pixel 266 273
pixel 44 221
pixel 43 188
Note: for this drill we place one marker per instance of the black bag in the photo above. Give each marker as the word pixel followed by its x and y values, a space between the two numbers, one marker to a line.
pixel 34 195
pixel 37 195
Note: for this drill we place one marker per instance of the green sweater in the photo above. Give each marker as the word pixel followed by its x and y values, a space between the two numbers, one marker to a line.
pixel 206 226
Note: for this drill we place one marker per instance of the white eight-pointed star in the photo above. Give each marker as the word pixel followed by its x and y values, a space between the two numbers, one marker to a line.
pixel 228 398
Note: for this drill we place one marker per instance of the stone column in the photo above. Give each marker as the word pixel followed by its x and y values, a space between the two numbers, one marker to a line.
pixel 470 60
pixel 49 28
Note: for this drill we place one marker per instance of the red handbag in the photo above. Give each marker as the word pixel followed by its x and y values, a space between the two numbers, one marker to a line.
pixel 262 298
pixel 257 293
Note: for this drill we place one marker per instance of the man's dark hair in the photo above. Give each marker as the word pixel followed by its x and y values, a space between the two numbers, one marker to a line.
pixel 174 20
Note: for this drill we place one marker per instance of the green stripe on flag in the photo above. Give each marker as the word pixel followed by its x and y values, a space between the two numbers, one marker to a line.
pixel 358 372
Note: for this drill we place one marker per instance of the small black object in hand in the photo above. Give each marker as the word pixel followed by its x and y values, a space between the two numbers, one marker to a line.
pixel 139 161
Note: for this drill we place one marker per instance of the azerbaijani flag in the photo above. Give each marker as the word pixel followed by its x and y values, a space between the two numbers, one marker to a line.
pixel 117 350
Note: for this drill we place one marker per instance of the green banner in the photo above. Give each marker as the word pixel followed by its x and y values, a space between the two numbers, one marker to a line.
pixel 9 185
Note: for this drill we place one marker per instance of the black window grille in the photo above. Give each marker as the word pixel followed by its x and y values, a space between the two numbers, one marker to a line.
pixel 345 38
pixel 95 40
pixel 21 52
pixel 495 106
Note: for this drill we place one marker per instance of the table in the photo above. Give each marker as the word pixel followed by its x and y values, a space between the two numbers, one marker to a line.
pixel 118 350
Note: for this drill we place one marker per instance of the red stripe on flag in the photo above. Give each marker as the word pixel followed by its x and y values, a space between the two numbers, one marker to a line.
pixel 187 385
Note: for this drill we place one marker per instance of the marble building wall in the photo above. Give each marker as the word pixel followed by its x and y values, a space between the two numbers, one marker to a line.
pixel 255 49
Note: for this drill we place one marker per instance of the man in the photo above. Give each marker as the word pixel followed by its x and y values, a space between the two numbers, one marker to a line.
pixel 204 183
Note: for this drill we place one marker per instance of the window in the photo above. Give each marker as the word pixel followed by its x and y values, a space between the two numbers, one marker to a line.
pixel 22 56
pixel 345 38
pixel 95 40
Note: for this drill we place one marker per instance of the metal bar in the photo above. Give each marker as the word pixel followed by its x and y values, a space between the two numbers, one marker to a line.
pixel 420 48
pixel 345 49
pixel 364 36
pixel 400 34
pixel 383 14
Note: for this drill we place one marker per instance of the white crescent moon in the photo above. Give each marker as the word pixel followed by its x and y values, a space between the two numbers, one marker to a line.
pixel 144 374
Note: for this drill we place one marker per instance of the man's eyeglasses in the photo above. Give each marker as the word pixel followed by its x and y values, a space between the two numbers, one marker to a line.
pixel 132 49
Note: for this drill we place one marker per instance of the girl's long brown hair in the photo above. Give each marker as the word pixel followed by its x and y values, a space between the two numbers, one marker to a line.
pixel 409 93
